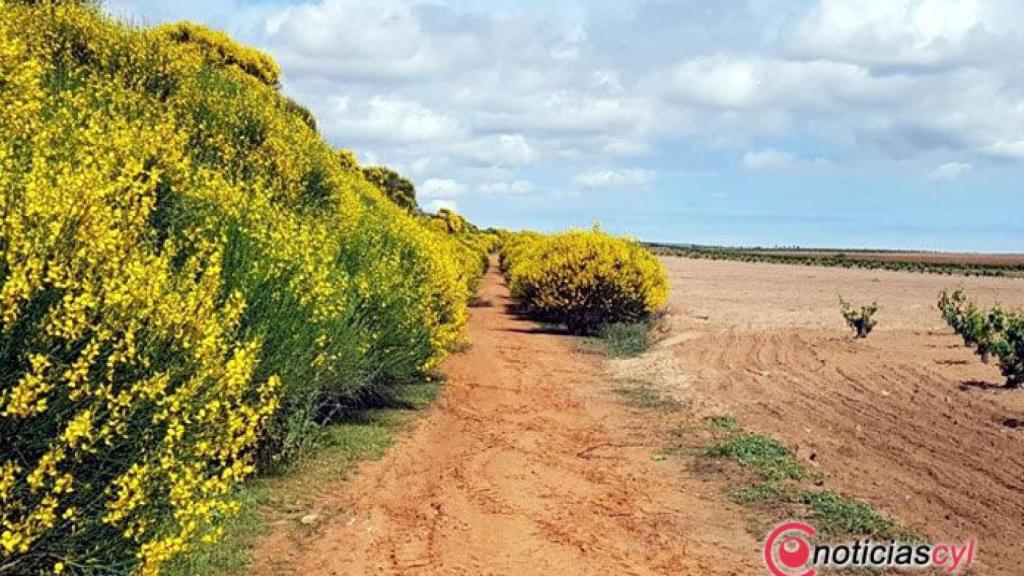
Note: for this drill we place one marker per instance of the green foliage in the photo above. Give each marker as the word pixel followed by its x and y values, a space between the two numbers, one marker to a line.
pixel 724 422
pixel 625 339
pixel 765 456
pixel 991 332
pixel 836 515
pixel 849 259
pixel 833 514
pixel 397 188
pixel 783 486
pixel 643 395
pixel 862 321
pixel 953 309
pixel 760 493
pixel 1011 351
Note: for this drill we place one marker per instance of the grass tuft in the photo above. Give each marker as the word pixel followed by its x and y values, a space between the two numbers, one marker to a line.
pixel 724 422
pixel 765 456
pixel 643 395
pixel 625 339
pixel 782 487
pixel 760 493
pixel 836 515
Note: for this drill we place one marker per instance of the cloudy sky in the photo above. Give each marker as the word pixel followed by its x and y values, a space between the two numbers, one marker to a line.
pixel 881 123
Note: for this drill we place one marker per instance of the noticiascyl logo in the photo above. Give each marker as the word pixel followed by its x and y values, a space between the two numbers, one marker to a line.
pixel 788 551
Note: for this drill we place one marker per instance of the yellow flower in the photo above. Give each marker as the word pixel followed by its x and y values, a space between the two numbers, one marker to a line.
pixel 182 256
pixel 10 541
pixel 584 278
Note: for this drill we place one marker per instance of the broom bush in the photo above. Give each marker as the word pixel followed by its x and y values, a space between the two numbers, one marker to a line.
pixel 220 49
pixel 583 279
pixel 189 275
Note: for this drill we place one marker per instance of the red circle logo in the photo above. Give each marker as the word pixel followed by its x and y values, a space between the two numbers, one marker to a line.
pixel 787 550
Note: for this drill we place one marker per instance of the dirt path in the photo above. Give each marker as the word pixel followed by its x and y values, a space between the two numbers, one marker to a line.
pixel 530 465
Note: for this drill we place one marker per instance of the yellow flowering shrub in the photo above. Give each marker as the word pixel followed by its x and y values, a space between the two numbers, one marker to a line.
pixel 221 49
pixel 474 245
pixel 398 189
pixel 449 220
pixel 302 113
pixel 188 276
pixel 583 279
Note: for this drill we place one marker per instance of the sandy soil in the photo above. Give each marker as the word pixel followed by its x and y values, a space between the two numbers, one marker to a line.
pixel 908 419
pixel 528 465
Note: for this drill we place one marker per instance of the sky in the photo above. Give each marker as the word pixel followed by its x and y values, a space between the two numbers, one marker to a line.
pixel 823 123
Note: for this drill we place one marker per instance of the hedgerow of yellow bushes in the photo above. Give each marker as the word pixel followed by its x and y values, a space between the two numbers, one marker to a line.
pixel 583 279
pixel 189 274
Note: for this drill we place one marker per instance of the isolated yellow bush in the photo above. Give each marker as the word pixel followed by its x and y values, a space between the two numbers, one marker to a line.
pixel 188 274
pixel 583 279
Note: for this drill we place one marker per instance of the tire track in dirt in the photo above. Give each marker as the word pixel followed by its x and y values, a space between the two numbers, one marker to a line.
pixel 909 419
pixel 528 465
pixel 902 437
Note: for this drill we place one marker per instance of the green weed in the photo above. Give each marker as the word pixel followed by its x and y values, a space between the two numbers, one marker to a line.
pixel 644 395
pixel 765 456
pixel 625 339
pixel 785 488
pixel 724 422
pixel 759 493
pixel 837 515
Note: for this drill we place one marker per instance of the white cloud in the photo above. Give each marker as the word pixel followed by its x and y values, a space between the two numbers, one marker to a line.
pixel 567 110
pixel 1005 150
pixel 505 149
pixel 516 187
pixel 436 205
pixel 717 81
pixel 896 32
pixel 345 39
pixel 949 171
pixel 631 178
pixel 495 97
pixel 387 119
pixel 440 188
pixel 419 165
pixel 767 159
pixel 569 47
pixel 749 83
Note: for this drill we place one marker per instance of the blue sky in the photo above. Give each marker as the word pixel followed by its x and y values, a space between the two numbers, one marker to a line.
pixel 853 123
